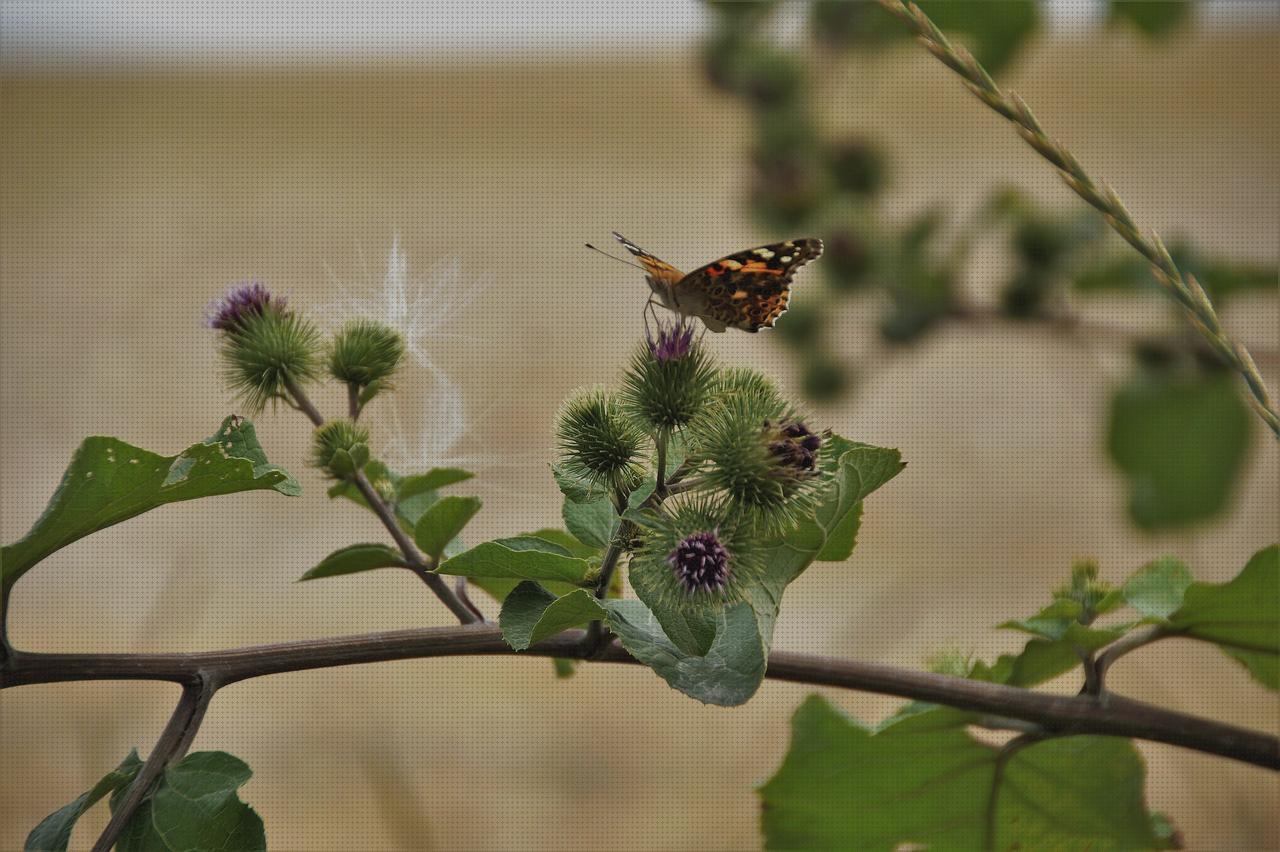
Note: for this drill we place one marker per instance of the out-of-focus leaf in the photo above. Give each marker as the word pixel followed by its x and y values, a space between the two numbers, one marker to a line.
pixel 1180 442
pixel 531 613
pixel 1155 18
pixel 921 780
pixel 354 559
pixel 1156 590
pixel 996 29
pixel 54 831
pixel 110 481
pixel 1242 617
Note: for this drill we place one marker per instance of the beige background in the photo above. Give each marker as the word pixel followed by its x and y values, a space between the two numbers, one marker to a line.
pixel 127 201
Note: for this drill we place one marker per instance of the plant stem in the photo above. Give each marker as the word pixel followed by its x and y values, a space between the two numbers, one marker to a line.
pixel 466 614
pixel 169 748
pixel 1059 715
pixel 417 564
pixel 353 401
pixel 301 402
pixel 1125 644
pixel 661 473
pixel 1185 290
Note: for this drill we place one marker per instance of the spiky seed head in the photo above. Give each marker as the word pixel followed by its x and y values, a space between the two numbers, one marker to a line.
pixel 364 352
pixel 598 443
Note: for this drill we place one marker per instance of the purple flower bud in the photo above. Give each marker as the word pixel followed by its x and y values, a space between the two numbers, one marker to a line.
pixel 700 562
pixel 240 302
pixel 795 446
pixel 673 343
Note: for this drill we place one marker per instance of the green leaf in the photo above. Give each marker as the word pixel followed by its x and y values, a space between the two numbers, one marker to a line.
pixel 54 831
pixel 592 523
pixel 110 481
pixel 572 487
pixel 432 480
pixel 520 558
pixel 442 522
pixel 1181 443
pixel 499 588
pixel 531 613
pixel 195 808
pixel 843 537
pixel 1241 617
pixel 354 559
pixel 1157 590
pixel 1155 18
pixel 921 780
pixel 728 674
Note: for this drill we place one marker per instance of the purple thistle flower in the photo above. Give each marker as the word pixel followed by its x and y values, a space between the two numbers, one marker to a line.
pixel 673 343
pixel 240 302
pixel 700 562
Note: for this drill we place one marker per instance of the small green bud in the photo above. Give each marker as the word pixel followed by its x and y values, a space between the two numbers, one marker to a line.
pixel 265 346
pixel 365 352
pixel 340 448
pixel 1085 589
pixel 669 380
pixel 598 443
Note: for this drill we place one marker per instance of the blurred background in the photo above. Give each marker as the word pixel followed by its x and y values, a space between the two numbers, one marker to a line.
pixel 969 311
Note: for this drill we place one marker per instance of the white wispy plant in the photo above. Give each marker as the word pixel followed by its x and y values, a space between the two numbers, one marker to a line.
pixel 424 427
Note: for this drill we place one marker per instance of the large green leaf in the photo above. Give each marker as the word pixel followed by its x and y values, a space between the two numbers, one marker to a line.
pixel 728 674
pixel 442 522
pixel 520 558
pixel 54 831
pixel 110 481
pixel 1180 442
pixel 531 613
pixel 195 808
pixel 920 779
pixel 354 559
pixel 1242 616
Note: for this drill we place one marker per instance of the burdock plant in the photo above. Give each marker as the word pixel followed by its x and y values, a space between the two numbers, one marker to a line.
pixel 269 352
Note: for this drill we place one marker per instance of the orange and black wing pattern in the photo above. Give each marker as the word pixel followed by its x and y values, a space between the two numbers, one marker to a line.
pixel 657 269
pixel 749 290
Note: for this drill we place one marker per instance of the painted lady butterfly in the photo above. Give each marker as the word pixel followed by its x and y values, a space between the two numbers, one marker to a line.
pixel 747 290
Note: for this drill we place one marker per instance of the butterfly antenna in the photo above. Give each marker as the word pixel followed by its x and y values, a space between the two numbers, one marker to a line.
pixel 612 257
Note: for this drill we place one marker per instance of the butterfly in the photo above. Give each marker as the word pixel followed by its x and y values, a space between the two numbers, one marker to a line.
pixel 747 290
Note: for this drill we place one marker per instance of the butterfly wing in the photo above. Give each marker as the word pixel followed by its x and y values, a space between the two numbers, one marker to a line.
pixel 662 275
pixel 748 290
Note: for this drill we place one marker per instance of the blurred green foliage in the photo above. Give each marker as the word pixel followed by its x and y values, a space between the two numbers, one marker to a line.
pixel 807 180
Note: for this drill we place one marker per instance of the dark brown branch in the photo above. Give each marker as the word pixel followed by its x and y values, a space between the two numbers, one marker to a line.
pixel 169 748
pixel 1109 715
